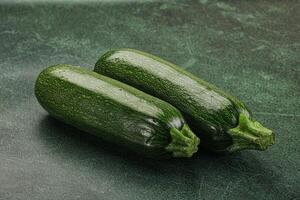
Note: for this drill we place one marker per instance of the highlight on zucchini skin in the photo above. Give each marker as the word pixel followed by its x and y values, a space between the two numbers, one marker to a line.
pixel 221 121
pixel 115 112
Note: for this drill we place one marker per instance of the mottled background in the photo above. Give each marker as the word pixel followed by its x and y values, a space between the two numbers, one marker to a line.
pixel 249 48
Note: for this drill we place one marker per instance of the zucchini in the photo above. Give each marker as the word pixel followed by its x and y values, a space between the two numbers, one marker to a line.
pixel 115 112
pixel 221 121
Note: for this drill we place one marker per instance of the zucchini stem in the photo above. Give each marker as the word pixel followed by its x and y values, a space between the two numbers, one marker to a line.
pixel 250 134
pixel 184 143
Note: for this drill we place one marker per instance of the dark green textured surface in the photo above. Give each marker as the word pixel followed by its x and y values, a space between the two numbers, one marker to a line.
pixel 251 49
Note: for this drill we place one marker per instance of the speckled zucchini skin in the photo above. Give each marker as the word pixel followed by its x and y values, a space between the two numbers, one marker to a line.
pixel 210 112
pixel 115 112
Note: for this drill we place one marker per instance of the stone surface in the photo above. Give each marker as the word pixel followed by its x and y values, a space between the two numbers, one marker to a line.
pixel 251 49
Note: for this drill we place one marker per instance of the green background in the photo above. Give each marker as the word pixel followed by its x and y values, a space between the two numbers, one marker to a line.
pixel 249 48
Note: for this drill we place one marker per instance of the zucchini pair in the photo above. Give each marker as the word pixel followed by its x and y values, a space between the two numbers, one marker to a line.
pixel 115 112
pixel 115 103
pixel 221 121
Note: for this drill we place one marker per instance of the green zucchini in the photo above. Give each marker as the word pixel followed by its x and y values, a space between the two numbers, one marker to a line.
pixel 115 112
pixel 221 121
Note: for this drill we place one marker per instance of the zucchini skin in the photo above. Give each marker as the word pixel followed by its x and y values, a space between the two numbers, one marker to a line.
pixel 211 113
pixel 114 112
